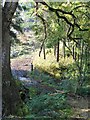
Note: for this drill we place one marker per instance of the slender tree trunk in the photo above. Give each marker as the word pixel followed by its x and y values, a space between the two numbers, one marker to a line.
pixel 73 49
pixel 74 53
pixel 75 56
pixel 44 52
pixel 64 49
pixel 78 57
pixel 81 64
pixel 55 47
pixel 58 51
pixel 86 54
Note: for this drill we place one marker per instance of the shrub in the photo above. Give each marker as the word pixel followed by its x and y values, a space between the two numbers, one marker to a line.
pixel 84 91
pixel 52 105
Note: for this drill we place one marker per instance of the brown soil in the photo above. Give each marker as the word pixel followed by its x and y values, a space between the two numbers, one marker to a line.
pixel 21 63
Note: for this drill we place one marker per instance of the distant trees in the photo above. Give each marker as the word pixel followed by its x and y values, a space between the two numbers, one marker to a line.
pixel 63 20
pixel 69 24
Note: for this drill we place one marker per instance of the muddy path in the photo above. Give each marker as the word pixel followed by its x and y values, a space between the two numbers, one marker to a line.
pixel 20 68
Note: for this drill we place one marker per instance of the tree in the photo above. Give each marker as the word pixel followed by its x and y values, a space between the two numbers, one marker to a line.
pixel 58 51
pixel 75 38
pixel 10 92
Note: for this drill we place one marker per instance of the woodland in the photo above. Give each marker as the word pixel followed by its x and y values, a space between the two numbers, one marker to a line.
pixel 45 60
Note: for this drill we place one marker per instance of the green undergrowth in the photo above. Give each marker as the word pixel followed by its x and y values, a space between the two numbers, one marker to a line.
pixel 62 77
pixel 43 77
pixel 84 91
pixel 50 105
pixel 46 79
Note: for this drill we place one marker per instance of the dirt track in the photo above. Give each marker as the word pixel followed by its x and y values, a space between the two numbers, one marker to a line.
pixel 21 63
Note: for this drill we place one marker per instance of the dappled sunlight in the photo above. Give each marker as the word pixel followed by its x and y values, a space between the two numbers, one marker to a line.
pixel 50 65
pixel 85 110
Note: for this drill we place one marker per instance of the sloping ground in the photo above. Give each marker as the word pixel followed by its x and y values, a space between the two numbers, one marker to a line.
pixel 20 67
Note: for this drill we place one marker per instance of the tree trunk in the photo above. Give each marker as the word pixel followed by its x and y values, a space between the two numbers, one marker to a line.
pixel 58 51
pixel 64 49
pixel 73 51
pixel 81 65
pixel 55 50
pixel 10 94
pixel 44 52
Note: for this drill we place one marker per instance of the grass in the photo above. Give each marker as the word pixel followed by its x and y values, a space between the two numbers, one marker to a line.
pixel 50 65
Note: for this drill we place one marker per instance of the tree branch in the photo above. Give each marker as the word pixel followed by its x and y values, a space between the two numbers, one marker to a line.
pixel 56 11
pixel 44 24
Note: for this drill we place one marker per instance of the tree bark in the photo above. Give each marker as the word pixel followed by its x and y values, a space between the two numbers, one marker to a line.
pixel 10 94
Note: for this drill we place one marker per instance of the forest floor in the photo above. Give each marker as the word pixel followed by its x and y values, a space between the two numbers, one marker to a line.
pixel 21 66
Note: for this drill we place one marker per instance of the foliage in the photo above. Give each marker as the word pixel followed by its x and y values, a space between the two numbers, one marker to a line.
pixel 84 91
pixel 68 86
pixel 22 110
pixel 50 105
pixel 21 49
pixel 15 26
pixel 51 66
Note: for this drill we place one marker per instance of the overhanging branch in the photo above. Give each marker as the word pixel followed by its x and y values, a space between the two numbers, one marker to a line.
pixel 72 25
pixel 44 24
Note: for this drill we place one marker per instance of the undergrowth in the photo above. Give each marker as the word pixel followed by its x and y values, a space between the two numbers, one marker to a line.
pixel 48 99
pixel 50 105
